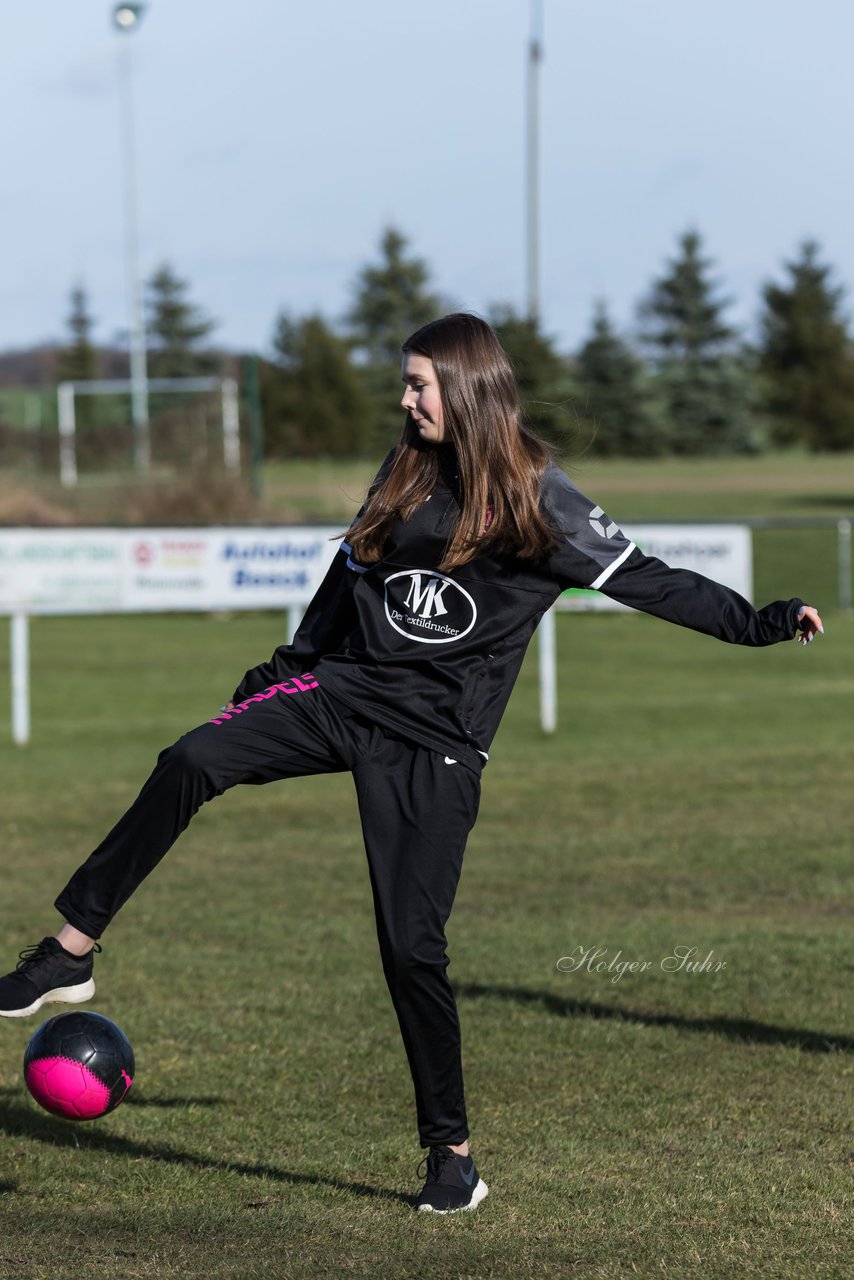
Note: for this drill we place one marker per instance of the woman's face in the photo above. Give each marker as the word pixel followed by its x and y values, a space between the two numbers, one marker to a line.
pixel 422 397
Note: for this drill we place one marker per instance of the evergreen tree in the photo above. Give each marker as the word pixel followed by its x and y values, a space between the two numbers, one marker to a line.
pixel 175 328
pixel 545 384
pixel 78 362
pixel 615 395
pixel 391 300
pixel 806 357
pixel 314 399
pixel 699 371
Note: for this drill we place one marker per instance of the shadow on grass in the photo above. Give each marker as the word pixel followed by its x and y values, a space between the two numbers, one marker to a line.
pixel 845 501
pixel 734 1028
pixel 19 1121
pixel 158 1100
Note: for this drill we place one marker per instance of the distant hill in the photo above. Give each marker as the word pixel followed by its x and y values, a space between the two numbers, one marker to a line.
pixel 35 367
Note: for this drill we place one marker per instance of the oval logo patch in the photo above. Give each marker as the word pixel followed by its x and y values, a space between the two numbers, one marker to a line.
pixel 428 607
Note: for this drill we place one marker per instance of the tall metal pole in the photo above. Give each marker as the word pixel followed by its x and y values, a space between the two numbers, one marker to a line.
pixel 546 631
pixel 126 18
pixel 535 57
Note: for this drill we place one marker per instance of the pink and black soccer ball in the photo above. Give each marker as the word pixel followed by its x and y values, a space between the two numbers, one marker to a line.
pixel 79 1065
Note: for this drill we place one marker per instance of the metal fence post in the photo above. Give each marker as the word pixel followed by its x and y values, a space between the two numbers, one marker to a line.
pixel 20 664
pixel 548 671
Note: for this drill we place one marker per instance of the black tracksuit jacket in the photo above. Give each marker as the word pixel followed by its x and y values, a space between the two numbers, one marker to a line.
pixel 433 656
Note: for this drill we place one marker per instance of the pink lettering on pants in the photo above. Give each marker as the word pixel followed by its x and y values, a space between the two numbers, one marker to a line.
pixel 297 684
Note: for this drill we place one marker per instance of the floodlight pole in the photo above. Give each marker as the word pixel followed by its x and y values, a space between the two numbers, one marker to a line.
pixel 546 631
pixel 126 17
pixel 535 57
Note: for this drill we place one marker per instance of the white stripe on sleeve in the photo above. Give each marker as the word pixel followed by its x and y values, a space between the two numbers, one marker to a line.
pixel 606 573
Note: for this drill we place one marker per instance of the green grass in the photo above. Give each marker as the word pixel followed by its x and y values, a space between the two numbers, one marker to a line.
pixel 330 489
pixel 663 1124
pixel 778 484
pixel 773 484
pixel 666 1124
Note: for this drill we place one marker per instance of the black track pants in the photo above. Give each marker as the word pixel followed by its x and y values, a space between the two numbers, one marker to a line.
pixel 416 812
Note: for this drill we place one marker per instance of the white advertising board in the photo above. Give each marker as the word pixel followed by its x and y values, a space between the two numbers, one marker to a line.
pixel 134 570
pixel 722 552
pixel 70 571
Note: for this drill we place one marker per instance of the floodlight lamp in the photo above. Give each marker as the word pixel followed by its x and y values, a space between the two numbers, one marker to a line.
pixel 128 16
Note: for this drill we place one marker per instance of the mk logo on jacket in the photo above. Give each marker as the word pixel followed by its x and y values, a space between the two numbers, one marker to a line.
pixel 428 607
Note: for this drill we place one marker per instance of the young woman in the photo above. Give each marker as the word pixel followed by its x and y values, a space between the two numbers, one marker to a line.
pixel 400 672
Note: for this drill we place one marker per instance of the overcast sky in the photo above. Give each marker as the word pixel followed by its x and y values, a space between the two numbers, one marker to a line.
pixel 276 139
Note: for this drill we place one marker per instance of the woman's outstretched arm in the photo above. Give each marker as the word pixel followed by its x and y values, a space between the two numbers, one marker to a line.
pixel 593 552
pixel 691 600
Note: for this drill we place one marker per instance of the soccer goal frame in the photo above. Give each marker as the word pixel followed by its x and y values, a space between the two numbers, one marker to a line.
pixel 66 393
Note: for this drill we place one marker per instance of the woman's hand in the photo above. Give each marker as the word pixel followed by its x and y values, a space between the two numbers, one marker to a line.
pixel 809 623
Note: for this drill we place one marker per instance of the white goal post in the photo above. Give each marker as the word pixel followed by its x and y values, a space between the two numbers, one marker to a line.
pixel 67 391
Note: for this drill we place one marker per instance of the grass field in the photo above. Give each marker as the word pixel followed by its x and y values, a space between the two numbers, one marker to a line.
pixel 321 490
pixel 663 1123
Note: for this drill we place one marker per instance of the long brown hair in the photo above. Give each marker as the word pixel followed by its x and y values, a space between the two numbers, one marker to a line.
pixel 500 460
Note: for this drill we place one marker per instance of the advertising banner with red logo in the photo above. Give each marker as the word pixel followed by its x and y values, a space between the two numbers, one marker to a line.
pixel 71 571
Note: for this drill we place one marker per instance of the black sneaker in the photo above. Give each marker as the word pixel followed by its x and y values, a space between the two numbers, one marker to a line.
pixel 45 973
pixel 452 1183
